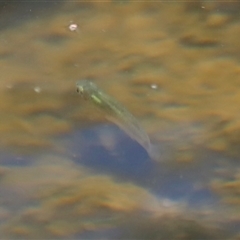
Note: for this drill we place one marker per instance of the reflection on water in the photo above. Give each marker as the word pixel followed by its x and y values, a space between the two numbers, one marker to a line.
pixel 98 189
pixel 67 173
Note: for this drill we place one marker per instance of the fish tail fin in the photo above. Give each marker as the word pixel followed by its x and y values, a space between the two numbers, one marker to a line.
pixel 154 153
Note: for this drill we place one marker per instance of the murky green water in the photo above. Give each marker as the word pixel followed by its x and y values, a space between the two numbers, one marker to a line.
pixel 68 173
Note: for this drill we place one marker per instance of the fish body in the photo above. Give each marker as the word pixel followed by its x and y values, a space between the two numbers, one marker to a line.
pixel 114 112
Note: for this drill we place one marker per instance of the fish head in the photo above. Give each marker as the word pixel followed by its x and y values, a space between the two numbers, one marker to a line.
pixel 85 89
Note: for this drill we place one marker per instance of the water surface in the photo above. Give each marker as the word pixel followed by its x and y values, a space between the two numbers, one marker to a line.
pixel 68 173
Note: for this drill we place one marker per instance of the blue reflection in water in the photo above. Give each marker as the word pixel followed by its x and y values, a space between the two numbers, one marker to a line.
pixel 11 159
pixel 128 158
pixel 129 161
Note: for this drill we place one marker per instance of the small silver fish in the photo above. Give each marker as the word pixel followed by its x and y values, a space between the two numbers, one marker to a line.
pixel 115 112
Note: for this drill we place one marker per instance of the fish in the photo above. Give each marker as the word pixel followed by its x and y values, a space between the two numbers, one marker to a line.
pixel 115 112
